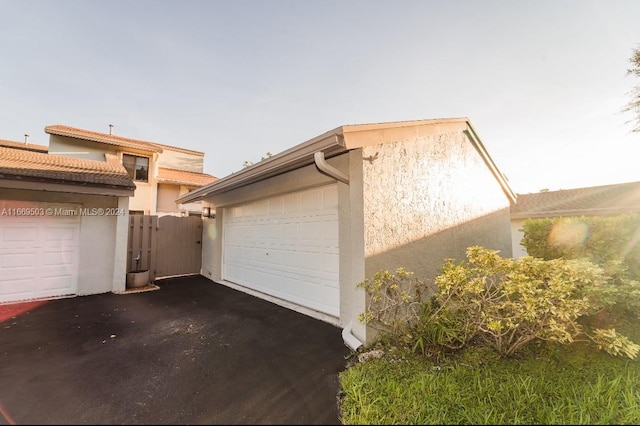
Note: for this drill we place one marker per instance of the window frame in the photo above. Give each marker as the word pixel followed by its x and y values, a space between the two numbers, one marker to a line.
pixel 137 167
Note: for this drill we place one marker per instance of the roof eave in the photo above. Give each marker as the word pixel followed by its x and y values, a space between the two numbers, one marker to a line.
pixel 179 182
pixel 150 147
pixel 331 143
pixel 8 181
pixel 473 136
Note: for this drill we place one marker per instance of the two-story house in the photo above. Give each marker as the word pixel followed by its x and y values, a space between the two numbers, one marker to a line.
pixel 161 173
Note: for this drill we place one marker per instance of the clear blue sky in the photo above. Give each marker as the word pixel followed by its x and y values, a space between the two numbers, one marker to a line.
pixel 543 82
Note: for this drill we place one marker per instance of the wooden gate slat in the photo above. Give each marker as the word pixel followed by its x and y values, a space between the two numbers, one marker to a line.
pixel 179 245
pixel 168 245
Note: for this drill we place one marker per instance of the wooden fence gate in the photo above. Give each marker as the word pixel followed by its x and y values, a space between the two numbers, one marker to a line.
pixel 166 246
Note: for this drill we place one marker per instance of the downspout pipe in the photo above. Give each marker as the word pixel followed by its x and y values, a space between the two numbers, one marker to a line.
pixel 323 167
pixel 349 339
pixel 326 169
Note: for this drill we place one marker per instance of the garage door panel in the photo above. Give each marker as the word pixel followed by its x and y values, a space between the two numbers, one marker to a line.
pixel 15 259
pixel 316 295
pixel 290 203
pixel 38 256
pixel 16 289
pixel 60 233
pixel 53 283
pixel 23 274
pixel 330 199
pixel 287 247
pixel 310 231
pixel 58 256
pixel 273 232
pixel 321 294
pixel 19 236
pixel 66 268
pixel 276 205
pixel 311 201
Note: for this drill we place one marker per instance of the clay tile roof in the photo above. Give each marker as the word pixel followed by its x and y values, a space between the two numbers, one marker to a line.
pixel 19 164
pixel 25 146
pixel 102 138
pixel 595 200
pixel 183 177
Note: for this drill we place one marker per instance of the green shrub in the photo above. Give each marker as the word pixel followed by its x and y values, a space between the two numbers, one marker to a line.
pixel 612 242
pixel 501 302
pixel 394 301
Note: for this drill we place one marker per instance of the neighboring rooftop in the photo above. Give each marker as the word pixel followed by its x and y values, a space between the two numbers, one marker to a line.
pixel 110 139
pixel 23 145
pixel 183 177
pixel 23 165
pixel 595 200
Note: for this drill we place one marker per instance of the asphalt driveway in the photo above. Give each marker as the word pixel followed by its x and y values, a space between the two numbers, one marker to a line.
pixel 191 352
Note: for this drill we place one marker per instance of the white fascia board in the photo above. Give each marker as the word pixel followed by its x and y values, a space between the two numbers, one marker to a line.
pixel 331 143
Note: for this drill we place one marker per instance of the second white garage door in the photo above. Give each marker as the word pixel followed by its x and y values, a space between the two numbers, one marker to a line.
pixel 286 246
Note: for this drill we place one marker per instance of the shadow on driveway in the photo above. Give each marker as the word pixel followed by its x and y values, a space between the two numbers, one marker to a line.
pixel 192 352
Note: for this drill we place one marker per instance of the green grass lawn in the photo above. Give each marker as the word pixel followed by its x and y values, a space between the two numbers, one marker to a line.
pixel 546 384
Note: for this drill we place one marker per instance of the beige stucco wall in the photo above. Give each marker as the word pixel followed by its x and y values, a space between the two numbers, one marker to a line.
pixel 103 238
pixel 71 147
pixel 427 199
pixel 167 196
pixel 143 198
pixel 180 160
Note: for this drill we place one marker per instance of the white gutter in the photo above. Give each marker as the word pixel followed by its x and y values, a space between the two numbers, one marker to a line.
pixel 349 339
pixel 323 167
pixel 328 170
pixel 296 157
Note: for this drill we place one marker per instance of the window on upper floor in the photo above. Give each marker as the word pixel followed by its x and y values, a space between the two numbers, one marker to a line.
pixel 137 167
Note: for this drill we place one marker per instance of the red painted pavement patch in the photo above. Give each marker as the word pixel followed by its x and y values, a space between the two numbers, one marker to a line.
pixel 14 309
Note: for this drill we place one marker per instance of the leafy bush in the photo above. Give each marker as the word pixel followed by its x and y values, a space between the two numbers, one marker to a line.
pixel 612 242
pixel 394 301
pixel 501 302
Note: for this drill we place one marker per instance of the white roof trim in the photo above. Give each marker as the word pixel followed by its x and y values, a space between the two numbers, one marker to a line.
pixel 331 143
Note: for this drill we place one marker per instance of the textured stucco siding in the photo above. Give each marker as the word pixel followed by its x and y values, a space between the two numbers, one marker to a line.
pixel 167 196
pixel 144 197
pixel 71 147
pixel 427 199
pixel 517 235
pixel 180 160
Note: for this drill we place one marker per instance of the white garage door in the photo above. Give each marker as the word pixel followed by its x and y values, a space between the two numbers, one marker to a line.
pixel 286 246
pixel 38 252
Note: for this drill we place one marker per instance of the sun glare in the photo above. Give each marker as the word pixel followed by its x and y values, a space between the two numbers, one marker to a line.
pixel 569 232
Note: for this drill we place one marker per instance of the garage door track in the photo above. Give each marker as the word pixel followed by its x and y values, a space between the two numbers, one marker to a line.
pixel 191 352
